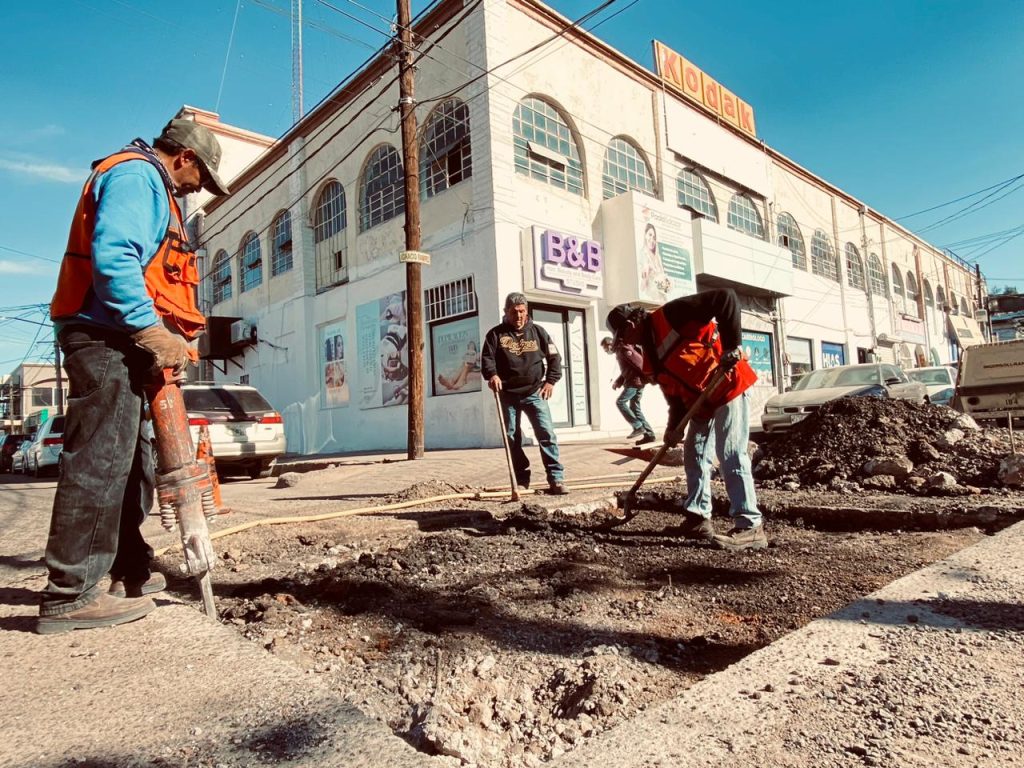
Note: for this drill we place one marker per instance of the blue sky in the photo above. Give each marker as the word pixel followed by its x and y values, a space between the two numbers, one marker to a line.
pixel 905 104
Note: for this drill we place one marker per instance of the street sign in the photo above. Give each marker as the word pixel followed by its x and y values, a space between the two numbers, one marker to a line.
pixel 415 257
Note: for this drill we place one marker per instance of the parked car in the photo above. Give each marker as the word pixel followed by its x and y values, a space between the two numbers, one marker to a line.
pixel 46 448
pixel 8 445
pixel 943 397
pixel 818 387
pixel 19 458
pixel 246 433
pixel 936 378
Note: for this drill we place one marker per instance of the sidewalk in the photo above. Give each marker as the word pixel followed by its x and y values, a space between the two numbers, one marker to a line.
pixel 861 687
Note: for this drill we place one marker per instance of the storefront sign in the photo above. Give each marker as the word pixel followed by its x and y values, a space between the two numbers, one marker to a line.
pixel 910 328
pixel 832 354
pixel 698 87
pixel 757 349
pixel 568 263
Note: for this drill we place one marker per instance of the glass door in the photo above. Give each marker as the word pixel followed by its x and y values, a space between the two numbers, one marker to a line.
pixel 569 403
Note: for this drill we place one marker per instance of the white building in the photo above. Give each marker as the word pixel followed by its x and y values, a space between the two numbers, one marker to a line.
pixel 551 174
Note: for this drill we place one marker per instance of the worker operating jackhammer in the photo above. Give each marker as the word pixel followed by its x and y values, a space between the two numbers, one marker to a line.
pixel 124 305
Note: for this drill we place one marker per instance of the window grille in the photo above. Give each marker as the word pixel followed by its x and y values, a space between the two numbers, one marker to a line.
pixel 221 277
pixel 876 276
pixel 854 268
pixel 790 237
pixel 954 309
pixel 823 257
pixel 744 217
pixel 964 309
pixel 940 299
pixel 281 238
pixel 450 300
pixel 692 190
pixel 929 297
pixel 544 148
pixel 383 193
pixel 251 265
pixel 445 156
pixel 330 220
pixel 897 282
pixel 625 169
pixel 912 294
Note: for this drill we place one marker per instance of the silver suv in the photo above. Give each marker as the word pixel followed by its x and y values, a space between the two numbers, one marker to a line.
pixel 246 433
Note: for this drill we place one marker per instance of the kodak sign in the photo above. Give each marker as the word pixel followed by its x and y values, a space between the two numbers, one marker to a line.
pixel 698 86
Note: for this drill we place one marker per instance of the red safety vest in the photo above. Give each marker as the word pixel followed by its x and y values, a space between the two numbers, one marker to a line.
pixel 171 276
pixel 682 360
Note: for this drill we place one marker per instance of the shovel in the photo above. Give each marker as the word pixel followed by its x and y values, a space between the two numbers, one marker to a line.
pixel 627 504
pixel 508 451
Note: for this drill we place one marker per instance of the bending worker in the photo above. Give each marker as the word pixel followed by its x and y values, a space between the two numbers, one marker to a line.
pixel 522 365
pixel 682 348
pixel 124 306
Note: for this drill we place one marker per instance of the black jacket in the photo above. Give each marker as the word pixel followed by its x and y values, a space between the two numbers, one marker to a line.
pixel 523 359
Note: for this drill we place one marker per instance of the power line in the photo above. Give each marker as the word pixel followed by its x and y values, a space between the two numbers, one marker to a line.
pixel 30 255
pixel 957 200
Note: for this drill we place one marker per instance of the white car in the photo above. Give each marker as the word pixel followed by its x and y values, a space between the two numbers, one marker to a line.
pixel 246 433
pixel 43 456
pixel 19 459
pixel 935 377
pixel 818 387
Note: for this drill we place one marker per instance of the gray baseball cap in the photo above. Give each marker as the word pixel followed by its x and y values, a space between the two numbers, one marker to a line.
pixel 200 139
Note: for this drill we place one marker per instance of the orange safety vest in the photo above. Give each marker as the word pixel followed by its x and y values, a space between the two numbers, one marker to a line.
pixel 682 360
pixel 171 276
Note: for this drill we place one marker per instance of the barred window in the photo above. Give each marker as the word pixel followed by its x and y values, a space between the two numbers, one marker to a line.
pixel 854 267
pixel 823 257
pixel 445 157
pixel 929 298
pixel 912 294
pixel 897 282
pixel 940 299
pixel 444 302
pixel 625 169
pixel 251 263
pixel 221 277
pixel 544 148
pixel 281 244
pixel 744 217
pixel 330 219
pixel 789 237
pixel 876 276
pixel 693 191
pixel 383 195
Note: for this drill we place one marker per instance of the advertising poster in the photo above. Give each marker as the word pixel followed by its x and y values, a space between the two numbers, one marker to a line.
pixel 456 351
pixel 381 340
pixel 832 354
pixel 757 348
pixel 664 256
pixel 333 374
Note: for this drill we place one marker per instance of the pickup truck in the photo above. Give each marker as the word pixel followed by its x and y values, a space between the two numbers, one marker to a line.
pixel 990 384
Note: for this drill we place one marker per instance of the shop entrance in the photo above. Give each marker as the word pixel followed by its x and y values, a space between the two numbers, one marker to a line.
pixel 570 403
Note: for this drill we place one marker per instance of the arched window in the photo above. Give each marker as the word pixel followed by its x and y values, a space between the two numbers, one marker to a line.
pixel 940 299
pixel 965 310
pixel 330 219
pixel 954 308
pixel 221 277
pixel 854 267
pixel 912 294
pixel 897 283
pixel 544 146
pixel 445 157
pixel 876 276
pixel 692 190
pixel 250 266
pixel 383 192
pixel 823 257
pixel 929 298
pixel 789 237
pixel 744 216
pixel 281 244
pixel 625 168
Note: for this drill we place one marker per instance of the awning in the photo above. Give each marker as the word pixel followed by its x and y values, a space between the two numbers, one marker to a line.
pixel 966 330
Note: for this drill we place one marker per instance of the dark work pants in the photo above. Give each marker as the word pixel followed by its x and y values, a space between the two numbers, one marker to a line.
pixel 105 488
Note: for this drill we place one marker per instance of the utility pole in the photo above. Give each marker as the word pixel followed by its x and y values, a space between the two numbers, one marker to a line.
pixel 58 376
pixel 413 284
pixel 297 107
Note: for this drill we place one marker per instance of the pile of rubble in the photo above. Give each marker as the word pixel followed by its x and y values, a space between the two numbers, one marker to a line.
pixel 879 444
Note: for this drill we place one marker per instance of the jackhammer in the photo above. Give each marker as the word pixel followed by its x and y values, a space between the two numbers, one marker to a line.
pixel 184 488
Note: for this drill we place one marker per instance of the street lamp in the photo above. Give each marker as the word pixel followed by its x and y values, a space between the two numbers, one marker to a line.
pixel 57 372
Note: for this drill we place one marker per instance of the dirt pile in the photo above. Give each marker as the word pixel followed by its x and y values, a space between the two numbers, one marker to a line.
pixel 858 443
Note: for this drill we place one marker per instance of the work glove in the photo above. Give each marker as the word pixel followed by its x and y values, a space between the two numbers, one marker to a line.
pixel 168 349
pixel 730 358
pixel 673 437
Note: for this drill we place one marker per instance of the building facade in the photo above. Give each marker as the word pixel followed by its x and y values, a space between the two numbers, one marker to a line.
pixel 572 173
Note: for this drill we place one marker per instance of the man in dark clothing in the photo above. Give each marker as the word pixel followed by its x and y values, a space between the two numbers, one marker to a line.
pixel 682 350
pixel 521 363
pixel 632 380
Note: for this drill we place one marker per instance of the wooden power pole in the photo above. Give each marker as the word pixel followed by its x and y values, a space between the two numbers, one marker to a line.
pixel 412 257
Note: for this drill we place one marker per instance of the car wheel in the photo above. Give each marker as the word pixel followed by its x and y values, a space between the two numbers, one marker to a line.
pixel 254 471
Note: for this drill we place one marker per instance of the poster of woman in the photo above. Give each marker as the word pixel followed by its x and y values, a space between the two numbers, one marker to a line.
pixel 334 379
pixel 456 348
pixel 382 337
pixel 655 284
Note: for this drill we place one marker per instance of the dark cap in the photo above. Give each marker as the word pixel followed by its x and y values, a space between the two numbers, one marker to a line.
pixel 200 139
pixel 620 315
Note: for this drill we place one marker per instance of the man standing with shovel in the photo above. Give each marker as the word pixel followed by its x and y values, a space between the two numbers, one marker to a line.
pixel 682 350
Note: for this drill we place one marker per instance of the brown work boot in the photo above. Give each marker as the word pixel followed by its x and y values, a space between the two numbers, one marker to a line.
pixel 136 588
pixel 694 527
pixel 556 488
pixel 742 538
pixel 105 611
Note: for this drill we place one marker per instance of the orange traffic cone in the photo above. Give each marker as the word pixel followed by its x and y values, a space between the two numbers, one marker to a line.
pixel 204 453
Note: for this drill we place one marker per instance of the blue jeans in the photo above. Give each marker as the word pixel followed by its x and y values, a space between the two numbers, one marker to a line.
pixel 105 488
pixel 629 406
pixel 728 430
pixel 536 409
